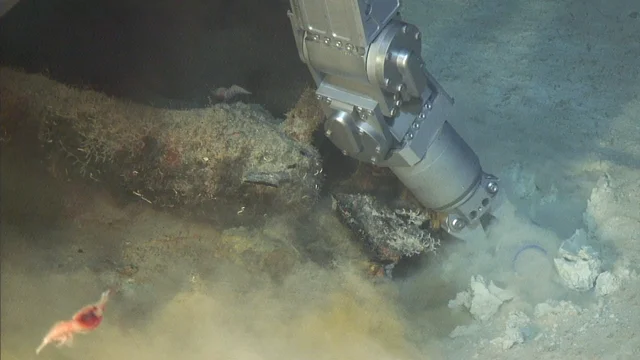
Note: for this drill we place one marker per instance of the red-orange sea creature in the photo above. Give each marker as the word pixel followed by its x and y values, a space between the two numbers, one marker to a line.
pixel 85 320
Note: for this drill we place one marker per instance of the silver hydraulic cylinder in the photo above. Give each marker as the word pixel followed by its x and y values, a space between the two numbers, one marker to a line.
pixel 383 107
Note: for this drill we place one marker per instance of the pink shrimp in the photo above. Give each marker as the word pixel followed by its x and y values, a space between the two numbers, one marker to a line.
pixel 86 319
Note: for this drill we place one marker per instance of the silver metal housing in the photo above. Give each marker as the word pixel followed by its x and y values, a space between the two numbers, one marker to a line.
pixel 383 106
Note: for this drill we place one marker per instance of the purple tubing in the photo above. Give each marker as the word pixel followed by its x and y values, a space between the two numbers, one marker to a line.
pixel 523 248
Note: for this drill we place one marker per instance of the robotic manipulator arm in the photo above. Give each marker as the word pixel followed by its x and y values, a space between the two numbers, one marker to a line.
pixel 383 107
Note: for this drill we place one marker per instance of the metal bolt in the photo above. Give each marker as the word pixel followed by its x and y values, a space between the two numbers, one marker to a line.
pixel 401 87
pixel 339 44
pixel 410 136
pixel 378 149
pixel 327 41
pixel 405 28
pixel 417 35
pixel 422 116
pixel 373 160
pixel 386 81
pixel 428 106
pixel 492 187
pixel 349 47
pixel 457 224
pixel 398 102
pixel 327 133
pixel 416 125
pixel 328 101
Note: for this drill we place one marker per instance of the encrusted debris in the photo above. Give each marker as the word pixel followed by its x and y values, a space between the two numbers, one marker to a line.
pixel 387 233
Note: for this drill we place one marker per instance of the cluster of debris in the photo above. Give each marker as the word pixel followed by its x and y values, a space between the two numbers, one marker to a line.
pixel 387 234
pixel 579 267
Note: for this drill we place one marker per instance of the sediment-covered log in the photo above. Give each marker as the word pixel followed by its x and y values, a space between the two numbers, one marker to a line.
pixel 193 158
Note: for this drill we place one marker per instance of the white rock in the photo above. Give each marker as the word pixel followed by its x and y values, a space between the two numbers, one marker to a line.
pixel 484 305
pixel 464 330
pixel 514 331
pixel 578 264
pixel 462 300
pixel 555 308
pixel 481 300
pixel 607 283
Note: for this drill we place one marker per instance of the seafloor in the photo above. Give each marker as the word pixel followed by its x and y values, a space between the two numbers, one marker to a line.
pixel 547 94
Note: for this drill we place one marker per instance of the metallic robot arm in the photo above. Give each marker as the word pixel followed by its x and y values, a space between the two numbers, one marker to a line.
pixel 383 107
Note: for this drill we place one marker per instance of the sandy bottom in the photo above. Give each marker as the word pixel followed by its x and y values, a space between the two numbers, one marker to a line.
pixel 63 243
pixel 180 295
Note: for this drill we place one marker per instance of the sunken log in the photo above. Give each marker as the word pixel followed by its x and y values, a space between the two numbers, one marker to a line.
pixel 236 155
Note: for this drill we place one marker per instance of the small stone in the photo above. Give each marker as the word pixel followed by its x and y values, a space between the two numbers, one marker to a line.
pixel 483 304
pixel 607 283
pixel 481 300
pixel 462 300
pixel 517 329
pixel 464 330
pixel 578 264
pixel 128 270
pixel 555 308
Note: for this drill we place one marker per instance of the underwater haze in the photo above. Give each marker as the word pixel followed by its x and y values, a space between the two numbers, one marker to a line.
pixel 547 94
